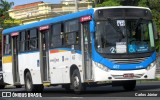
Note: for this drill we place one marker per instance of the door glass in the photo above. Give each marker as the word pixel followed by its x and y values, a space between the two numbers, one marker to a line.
pixel 87 51
pixel 45 54
pixel 15 60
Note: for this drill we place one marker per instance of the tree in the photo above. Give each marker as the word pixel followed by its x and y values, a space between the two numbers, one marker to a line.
pixel 129 2
pixel 4 15
pixel 98 1
pixel 109 3
pixel 5 6
pixel 155 8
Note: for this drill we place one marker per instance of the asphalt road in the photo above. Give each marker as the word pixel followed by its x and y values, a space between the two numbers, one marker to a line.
pixel 95 93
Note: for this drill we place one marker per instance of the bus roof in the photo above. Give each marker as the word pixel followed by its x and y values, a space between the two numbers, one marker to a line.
pixel 48 21
pixel 111 7
pixel 62 18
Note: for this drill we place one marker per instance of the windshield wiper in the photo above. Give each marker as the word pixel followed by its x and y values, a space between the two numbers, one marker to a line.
pixel 115 27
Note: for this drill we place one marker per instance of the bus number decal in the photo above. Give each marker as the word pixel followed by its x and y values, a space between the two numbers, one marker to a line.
pixel 116 66
pixel 112 50
pixel 139 67
pixel 120 22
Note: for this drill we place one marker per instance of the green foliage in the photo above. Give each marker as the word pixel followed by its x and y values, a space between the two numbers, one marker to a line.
pixel 155 8
pixel 4 15
pixel 143 3
pixel 109 3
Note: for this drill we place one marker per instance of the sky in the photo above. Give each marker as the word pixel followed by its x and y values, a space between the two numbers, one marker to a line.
pixel 21 2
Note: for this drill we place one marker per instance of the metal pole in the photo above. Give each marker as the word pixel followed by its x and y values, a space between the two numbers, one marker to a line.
pixel 76 6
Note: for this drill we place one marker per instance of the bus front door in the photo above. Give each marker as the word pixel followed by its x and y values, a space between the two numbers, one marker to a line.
pixel 15 70
pixel 86 50
pixel 44 55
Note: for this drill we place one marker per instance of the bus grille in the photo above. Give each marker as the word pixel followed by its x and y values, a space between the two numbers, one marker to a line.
pixel 128 61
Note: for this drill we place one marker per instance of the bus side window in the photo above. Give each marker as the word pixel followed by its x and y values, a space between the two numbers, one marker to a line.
pixel 56 36
pixel 22 41
pixel 33 39
pixel 71 29
pixel 7 44
pixel 27 41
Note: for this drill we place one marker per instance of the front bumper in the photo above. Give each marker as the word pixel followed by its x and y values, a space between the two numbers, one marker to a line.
pixel 117 75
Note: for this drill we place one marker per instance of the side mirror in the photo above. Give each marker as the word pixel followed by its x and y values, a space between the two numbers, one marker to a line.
pixel 155 31
pixel 92 26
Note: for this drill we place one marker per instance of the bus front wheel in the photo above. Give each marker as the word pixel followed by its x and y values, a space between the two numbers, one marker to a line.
pixel 29 84
pixel 129 85
pixel 18 86
pixel 76 84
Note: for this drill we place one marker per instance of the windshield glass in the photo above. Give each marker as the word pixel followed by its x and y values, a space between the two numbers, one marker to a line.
pixel 124 36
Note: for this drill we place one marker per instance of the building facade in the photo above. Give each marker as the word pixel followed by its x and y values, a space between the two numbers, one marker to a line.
pixel 33 12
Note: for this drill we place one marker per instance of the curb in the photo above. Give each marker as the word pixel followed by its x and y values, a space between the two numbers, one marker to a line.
pixel 9 86
pixel 157 78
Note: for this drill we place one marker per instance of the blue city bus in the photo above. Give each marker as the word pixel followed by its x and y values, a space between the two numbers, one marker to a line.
pixel 98 46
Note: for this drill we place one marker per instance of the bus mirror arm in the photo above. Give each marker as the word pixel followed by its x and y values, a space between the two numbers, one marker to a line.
pixel 92 26
pixel 156 35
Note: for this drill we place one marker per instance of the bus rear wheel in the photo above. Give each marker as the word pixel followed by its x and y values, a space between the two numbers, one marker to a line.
pixel 129 85
pixel 29 84
pixel 76 84
pixel 2 86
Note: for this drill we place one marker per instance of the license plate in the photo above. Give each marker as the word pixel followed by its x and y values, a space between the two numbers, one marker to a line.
pixel 128 75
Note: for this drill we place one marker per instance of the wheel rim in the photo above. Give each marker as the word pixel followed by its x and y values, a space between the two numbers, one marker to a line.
pixel 76 82
pixel 28 84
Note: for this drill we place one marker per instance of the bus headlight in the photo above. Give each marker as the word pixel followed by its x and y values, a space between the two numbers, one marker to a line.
pixel 102 67
pixel 151 65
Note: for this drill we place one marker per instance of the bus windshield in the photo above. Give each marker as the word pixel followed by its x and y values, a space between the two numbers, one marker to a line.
pixel 124 36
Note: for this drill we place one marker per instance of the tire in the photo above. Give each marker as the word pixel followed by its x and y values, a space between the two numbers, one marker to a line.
pixel 66 87
pixel 129 85
pixel 29 84
pixel 2 86
pixel 76 84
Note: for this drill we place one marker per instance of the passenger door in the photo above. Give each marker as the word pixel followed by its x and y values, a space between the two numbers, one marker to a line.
pixel 15 70
pixel 44 54
pixel 86 50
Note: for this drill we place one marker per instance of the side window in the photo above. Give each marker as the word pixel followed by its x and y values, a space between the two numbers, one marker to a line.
pixel 71 26
pixel 27 36
pixel 29 40
pixel 33 39
pixel 7 44
pixel 56 36
pixel 22 41
pixel 71 38
pixel 71 32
